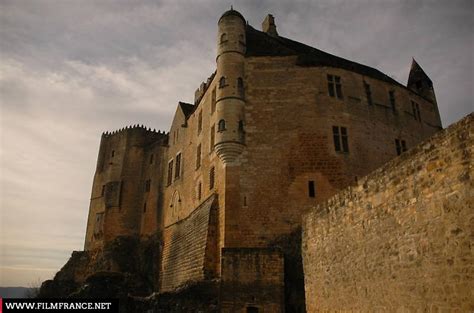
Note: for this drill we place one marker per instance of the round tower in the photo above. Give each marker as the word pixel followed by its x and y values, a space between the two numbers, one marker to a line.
pixel 230 86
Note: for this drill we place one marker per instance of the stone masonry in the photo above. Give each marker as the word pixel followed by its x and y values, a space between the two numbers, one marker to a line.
pixel 401 240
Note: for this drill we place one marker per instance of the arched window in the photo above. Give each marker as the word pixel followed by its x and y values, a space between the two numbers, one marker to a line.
pixel 240 85
pixel 223 37
pixel 221 125
pixel 222 82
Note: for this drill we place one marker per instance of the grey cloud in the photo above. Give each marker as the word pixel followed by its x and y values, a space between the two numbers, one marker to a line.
pixel 70 70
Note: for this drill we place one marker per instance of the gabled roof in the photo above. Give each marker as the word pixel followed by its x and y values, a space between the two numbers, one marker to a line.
pixel 187 108
pixel 261 44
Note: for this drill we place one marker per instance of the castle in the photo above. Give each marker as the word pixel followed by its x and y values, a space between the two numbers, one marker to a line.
pixel 277 129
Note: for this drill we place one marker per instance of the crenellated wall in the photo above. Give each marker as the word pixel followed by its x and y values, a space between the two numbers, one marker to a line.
pixel 401 239
pixel 119 190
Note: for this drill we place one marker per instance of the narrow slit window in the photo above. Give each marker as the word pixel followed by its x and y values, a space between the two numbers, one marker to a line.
pixel 212 138
pixel 416 111
pixel 337 141
pixel 199 191
pixel 391 95
pixel 144 207
pixel 331 85
pixel 311 190
pixel 213 101
pixel 198 156
pixel 170 172
pixel 113 153
pixel 151 158
pixel 212 174
pixel 368 93
pixel 177 172
pixel 240 86
pixel 147 185
pixel 199 122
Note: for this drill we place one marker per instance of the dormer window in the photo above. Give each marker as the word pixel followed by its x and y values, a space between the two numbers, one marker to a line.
pixel 222 82
pixel 221 126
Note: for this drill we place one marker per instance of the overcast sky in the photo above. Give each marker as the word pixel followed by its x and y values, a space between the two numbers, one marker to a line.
pixel 70 70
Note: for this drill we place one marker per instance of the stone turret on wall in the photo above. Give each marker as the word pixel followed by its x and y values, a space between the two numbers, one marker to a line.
pixel 231 47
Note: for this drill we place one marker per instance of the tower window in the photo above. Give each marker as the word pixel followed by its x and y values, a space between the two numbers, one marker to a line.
pixel 311 190
pixel 401 146
pixel 177 171
pixel 213 101
pixel 223 37
pixel 199 122
pixel 221 125
pixel 170 172
pixel 102 193
pixel 368 93
pixel 144 207
pixel 213 136
pixel 340 137
pixel 416 111
pixel 222 82
pixel 198 156
pixel 240 86
pixel 113 153
pixel 335 86
pixel 151 158
pixel 199 191
pixel 147 185
pixel 212 174
pixel 391 95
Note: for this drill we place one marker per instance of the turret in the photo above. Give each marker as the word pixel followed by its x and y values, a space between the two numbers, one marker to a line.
pixel 230 99
pixel 419 82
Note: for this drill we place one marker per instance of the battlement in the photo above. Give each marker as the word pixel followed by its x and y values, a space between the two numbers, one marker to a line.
pixel 134 127
pixel 199 93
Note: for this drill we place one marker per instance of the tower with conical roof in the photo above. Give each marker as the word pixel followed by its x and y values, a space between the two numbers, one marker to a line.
pixel 419 82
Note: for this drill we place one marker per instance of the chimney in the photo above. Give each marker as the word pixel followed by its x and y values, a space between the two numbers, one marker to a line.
pixel 268 25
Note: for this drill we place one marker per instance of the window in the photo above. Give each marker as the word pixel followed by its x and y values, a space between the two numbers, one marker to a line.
pixel 391 95
pixel 112 154
pixel 177 171
pixel 222 82
pixel 212 174
pixel 199 122
pixel 240 86
pixel 223 37
pixel 170 172
pixel 341 142
pixel 221 125
pixel 335 86
pixel 199 190
pixel 144 207
pixel 198 156
pixel 416 111
pixel 213 138
pixel 213 101
pixel 401 146
pixel 102 193
pixel 147 185
pixel 368 93
pixel 311 190
pixel 252 309
pixel 151 158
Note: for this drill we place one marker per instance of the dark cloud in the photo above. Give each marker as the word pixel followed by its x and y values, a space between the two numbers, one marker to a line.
pixel 70 70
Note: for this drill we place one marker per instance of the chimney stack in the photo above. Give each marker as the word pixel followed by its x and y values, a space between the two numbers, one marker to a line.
pixel 268 25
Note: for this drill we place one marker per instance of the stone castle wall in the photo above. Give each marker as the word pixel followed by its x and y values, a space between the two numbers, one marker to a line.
pixel 289 119
pixel 401 239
